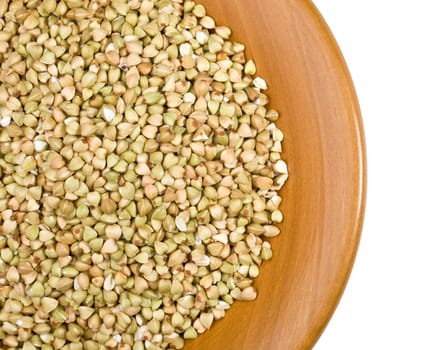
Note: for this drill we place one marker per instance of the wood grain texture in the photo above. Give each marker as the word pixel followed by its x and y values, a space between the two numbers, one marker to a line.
pixel 324 198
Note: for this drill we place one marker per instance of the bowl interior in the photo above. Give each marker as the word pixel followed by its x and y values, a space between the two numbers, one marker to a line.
pixel 325 194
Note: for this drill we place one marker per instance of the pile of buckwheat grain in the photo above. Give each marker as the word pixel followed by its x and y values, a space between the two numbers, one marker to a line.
pixel 139 174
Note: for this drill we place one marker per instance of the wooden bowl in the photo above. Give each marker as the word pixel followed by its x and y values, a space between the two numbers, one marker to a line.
pixel 325 194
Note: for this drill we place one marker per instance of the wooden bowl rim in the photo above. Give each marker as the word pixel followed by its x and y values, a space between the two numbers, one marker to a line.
pixel 337 291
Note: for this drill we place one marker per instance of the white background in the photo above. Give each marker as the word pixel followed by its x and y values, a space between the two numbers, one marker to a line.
pixel 386 46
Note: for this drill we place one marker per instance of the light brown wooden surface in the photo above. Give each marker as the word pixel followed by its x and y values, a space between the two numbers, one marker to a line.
pixel 324 198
